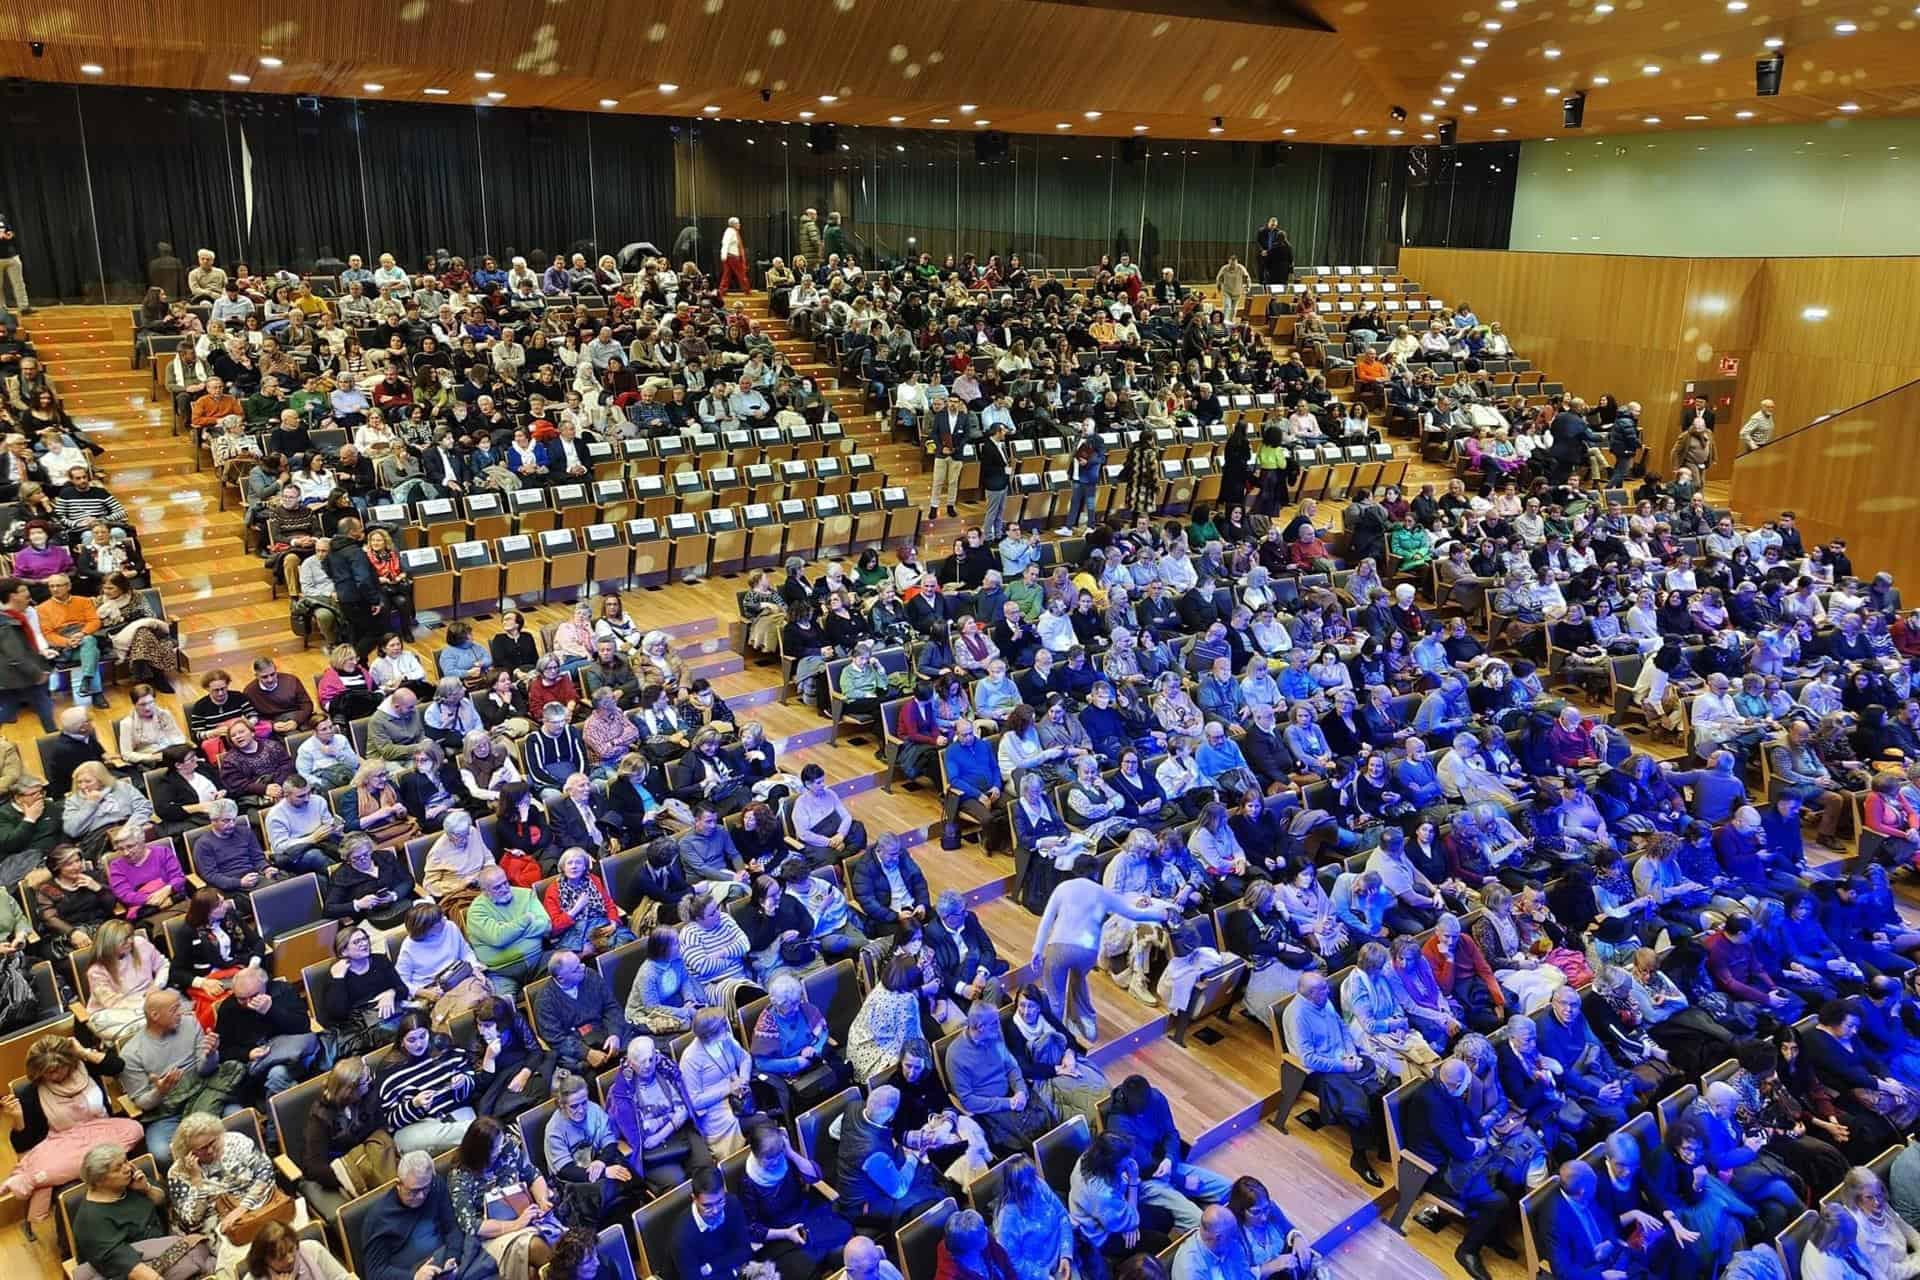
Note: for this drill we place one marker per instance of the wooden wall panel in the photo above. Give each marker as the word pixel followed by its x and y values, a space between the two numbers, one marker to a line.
pixel 1640 328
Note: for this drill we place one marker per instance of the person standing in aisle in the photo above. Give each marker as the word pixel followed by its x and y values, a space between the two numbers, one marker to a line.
pixel 1233 282
pixel 12 278
pixel 733 259
pixel 1758 429
pixel 1276 253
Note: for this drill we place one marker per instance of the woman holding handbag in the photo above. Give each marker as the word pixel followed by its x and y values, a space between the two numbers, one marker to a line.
pixel 379 810
pixel 584 916
pixel 347 1150
pixel 222 1186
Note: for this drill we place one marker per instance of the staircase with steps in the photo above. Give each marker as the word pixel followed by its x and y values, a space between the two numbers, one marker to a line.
pixel 1220 1091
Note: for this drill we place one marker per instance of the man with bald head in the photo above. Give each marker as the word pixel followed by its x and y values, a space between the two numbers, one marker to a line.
pixel 866 1260
pixel 264 1026
pixel 171 1069
pixel 1443 1131
pixel 1343 1077
pixel 1217 1251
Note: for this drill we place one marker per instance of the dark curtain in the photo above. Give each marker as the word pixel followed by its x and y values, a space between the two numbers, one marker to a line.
pixel 43 192
pixel 632 181
pixel 423 180
pixel 308 199
pixel 539 184
pixel 159 168
pixel 1349 204
pixel 1462 197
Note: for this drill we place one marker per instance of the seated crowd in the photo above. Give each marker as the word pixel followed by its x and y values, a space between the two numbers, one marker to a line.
pixel 1438 872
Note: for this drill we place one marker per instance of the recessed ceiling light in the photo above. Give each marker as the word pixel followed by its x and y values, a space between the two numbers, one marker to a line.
pixel 1743 115
pixel 806 115
pixel 272 64
pixel 895 119
pixel 495 95
pixel 1603 9
pixel 1509 101
pixel 941 120
pixel 1470 108
pixel 1479 44
pixel 1140 128
pixel 609 102
pixel 1651 69
pixel 1549 52
pixel 1710 55
pixel 1062 125
pixel 372 87
pixel 1774 42
pixel 1849 106
pixel 1394 133
pixel 436 93
pixel 1490 25
pixel 483 75
pixel 1214 128
pixel 1426 117
pixel 1289 132
pixel 1500 131
pixel 1845 28
pixel 1813 313
pixel 966 108
pixel 828 98
pixel 1650 120
pixel 1456 75
pixel 237 78
pixel 1509 5
pixel 1091 115
pixel 708 110
pixel 898 147
pixel 92 69
pixel 674 88
pixel 1736 6
pixel 1602 80
pixel 982 123
pixel 1467 61
pixel 1445 89
pixel 1359 133
pixel 1553 91
pixel 1438 102
pixel 1695 117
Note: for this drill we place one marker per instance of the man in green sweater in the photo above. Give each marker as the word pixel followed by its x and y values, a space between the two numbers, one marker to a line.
pixel 508 928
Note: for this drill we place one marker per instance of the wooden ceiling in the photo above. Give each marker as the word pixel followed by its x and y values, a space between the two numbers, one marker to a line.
pixel 1027 66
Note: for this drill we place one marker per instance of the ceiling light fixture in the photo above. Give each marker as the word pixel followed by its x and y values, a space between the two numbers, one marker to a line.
pixel 1813 313
pixel 271 64
pixel 1603 9
pixel 1849 106
pixel 1710 55
pixel 674 88
pixel 1470 108
pixel 1736 6
pixel 1774 42
pixel 372 87
pixel 1550 52
pixel 1438 102
pixel 1479 44
pixel 1500 131
pixel 707 110
pixel 1467 61
pixel 1140 128
pixel 436 93
pixel 1359 133
pixel 1743 115
pixel 609 102
pixel 1694 117
pixel 807 115
pixel 92 69
pixel 1509 5
pixel 1651 69
pixel 237 78
pixel 827 99
pixel 898 147
pixel 981 124
pixel 1602 80
pixel 1062 125
pixel 1650 120
pixel 940 120
pixel 483 75
pixel 896 119
pixel 966 108
pixel 495 95
pixel 1456 75
pixel 1091 115
pixel 1490 25
pixel 1426 117
pixel 1289 131
pixel 1553 91
pixel 1394 133
pixel 1509 101
pixel 1845 28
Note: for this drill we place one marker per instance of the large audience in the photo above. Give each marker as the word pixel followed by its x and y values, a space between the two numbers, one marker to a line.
pixel 1360 760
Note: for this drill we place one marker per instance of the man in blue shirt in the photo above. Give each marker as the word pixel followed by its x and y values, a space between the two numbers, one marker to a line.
pixel 1140 1114
pixel 973 786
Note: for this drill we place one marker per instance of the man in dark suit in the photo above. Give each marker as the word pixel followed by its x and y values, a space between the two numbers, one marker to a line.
pixel 579 817
pixel 1265 750
pixel 444 466
pixel 930 605
pixel 565 457
pixel 76 744
pixel 945 432
pixel 1572 437
pixel 1580 1239
pixel 1443 1132
pixel 993 479
pixel 963 949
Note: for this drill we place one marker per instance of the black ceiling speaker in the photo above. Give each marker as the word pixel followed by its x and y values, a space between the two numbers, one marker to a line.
pixel 1573 109
pixel 1131 149
pixel 1449 132
pixel 823 139
pixel 991 145
pixel 1273 155
pixel 1766 75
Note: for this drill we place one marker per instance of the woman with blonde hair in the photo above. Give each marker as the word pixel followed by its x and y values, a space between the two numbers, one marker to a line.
pixel 348 1150
pixel 657 661
pixel 217 1181
pixel 100 804
pixel 717 1072
pixel 1888 1242
pixel 125 970
pixel 379 810
pixel 58 1118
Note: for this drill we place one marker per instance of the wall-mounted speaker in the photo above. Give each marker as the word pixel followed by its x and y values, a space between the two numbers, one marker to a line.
pixel 1131 149
pixel 823 139
pixel 1573 110
pixel 1766 75
pixel 1449 132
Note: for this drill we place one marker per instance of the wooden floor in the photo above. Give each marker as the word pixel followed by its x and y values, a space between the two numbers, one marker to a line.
pixel 1220 1092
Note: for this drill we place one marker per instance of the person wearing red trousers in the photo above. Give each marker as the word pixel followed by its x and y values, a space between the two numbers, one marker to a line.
pixel 733 259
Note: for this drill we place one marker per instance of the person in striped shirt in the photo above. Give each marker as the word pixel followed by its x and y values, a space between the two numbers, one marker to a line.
pixel 424 1095
pixel 81 502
